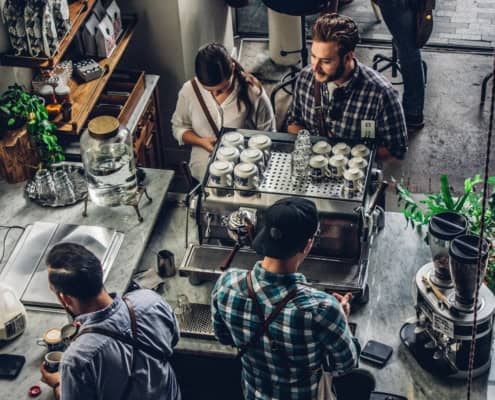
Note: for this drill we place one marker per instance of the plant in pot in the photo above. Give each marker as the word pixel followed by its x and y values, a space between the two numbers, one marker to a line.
pixel 19 108
pixel 469 204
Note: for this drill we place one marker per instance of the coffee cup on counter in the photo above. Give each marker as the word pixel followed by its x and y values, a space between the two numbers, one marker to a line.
pixel 228 153
pixel 341 148
pixel 353 180
pixel 263 143
pixel 221 177
pixel 360 150
pixel 318 168
pixel 52 340
pixel 233 139
pixel 358 162
pixel 337 165
pixel 254 156
pixel 52 361
pixel 68 333
pixel 322 148
pixel 246 178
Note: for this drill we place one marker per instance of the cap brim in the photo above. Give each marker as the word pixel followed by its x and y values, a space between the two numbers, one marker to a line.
pixel 265 246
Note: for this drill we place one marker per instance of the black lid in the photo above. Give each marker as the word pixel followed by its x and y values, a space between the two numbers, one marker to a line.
pixel 447 225
pixel 464 249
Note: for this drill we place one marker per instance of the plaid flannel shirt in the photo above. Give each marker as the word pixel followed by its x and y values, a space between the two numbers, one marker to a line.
pixel 309 327
pixel 367 97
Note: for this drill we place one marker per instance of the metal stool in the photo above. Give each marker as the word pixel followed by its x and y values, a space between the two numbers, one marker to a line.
pixel 484 87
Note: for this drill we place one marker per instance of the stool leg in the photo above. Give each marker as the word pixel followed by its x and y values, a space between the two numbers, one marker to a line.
pixel 483 88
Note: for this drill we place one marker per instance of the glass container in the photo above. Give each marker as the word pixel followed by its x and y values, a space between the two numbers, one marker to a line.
pixel 45 187
pixel 108 157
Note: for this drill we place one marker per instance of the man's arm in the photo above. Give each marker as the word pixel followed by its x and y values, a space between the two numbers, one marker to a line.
pixel 391 126
pixel 295 120
pixel 220 328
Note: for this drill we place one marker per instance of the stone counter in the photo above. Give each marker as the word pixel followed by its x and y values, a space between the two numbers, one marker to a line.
pixel 16 210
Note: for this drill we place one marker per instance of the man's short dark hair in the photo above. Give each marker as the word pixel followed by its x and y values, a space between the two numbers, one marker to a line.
pixel 336 28
pixel 75 271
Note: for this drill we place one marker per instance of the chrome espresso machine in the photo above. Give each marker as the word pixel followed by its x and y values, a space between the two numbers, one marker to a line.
pixel 229 214
pixel 440 336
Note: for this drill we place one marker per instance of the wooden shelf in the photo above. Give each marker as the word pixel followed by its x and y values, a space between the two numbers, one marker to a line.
pixel 85 95
pixel 79 11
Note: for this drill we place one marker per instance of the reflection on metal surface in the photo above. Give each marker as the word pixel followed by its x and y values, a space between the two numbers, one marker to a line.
pixel 26 271
pixel 197 323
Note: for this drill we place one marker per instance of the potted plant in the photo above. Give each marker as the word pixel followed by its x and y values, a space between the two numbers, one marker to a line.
pixel 469 203
pixel 18 110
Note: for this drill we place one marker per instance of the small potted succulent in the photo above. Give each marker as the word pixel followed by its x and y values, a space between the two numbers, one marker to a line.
pixel 469 204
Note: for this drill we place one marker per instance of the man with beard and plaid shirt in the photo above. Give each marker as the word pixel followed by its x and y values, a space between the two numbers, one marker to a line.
pixel 284 329
pixel 337 96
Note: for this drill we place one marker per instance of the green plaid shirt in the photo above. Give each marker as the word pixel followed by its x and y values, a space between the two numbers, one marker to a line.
pixel 310 326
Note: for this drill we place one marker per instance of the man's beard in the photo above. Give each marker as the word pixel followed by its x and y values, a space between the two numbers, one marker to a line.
pixel 338 73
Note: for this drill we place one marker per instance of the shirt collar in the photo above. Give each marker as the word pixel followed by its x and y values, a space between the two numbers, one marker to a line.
pixel 100 315
pixel 262 275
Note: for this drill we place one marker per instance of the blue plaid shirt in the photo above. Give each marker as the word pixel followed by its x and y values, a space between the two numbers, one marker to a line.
pixel 367 96
pixel 310 326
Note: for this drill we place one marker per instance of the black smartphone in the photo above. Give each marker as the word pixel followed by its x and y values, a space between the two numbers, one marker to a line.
pixel 10 365
pixel 376 353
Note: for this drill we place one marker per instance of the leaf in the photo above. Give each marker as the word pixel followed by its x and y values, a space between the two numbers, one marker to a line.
pixel 446 194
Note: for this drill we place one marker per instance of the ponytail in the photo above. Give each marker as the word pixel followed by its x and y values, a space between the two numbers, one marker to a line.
pixel 245 80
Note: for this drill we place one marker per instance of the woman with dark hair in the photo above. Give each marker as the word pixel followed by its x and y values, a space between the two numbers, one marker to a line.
pixel 221 94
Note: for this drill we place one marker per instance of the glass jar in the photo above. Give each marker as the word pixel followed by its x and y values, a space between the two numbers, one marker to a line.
pixel 108 158
pixel 62 94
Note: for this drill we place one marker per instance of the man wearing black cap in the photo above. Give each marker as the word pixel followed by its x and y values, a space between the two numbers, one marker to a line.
pixel 283 328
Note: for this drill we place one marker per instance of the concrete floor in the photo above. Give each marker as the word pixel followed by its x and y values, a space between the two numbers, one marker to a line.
pixel 454 138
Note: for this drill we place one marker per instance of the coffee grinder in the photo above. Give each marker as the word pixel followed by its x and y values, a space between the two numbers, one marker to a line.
pixel 440 338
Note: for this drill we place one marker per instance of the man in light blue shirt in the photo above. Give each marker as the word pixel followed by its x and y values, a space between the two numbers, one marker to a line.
pixel 112 357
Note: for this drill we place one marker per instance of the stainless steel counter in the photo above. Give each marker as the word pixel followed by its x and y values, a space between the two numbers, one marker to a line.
pixel 16 210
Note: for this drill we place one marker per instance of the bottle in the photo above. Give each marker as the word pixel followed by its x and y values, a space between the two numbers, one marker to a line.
pixel 108 158
pixel 302 154
pixel 62 94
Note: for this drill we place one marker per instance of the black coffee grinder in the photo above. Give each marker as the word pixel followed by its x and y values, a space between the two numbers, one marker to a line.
pixel 440 337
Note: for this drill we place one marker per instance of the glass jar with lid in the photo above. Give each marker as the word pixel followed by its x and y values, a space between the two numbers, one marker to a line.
pixel 108 158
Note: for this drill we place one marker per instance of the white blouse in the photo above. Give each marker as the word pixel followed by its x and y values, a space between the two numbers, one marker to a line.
pixel 189 115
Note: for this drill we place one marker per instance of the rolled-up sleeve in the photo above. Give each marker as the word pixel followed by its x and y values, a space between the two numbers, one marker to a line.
pixel 333 332
pixel 181 119
pixel 391 125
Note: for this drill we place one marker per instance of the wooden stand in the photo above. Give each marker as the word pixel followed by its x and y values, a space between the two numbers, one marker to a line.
pixel 18 156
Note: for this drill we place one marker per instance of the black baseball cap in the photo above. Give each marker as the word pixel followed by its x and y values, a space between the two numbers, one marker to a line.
pixel 289 224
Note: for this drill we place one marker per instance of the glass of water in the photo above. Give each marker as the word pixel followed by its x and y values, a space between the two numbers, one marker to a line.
pixel 299 163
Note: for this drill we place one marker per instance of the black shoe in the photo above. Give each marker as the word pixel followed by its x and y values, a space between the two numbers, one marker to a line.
pixel 414 123
pixel 356 385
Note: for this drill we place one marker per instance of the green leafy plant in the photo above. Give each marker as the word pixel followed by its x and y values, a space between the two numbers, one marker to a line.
pixel 18 107
pixel 469 204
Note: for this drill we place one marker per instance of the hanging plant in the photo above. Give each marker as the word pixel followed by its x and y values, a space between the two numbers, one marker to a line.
pixel 18 107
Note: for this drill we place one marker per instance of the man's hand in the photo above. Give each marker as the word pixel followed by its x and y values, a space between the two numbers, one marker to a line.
pixel 50 378
pixel 344 302
pixel 208 143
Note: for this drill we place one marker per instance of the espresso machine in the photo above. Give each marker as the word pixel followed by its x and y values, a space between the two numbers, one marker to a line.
pixel 349 222
pixel 440 337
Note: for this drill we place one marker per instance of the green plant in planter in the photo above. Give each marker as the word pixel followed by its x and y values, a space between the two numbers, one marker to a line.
pixel 469 204
pixel 18 107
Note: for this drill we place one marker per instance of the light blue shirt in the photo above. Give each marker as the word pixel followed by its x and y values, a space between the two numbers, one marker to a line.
pixel 97 366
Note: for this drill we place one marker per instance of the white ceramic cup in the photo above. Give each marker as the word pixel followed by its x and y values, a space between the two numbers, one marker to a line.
pixel 318 168
pixel 337 164
pixel 228 153
pixel 360 150
pixel 233 139
pixel 52 361
pixel 254 156
pixel 221 177
pixel 353 180
pixel 263 143
pixel 322 147
pixel 358 162
pixel 341 148
pixel 246 176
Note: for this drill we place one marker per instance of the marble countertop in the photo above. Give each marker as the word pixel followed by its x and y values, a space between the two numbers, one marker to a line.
pixel 16 210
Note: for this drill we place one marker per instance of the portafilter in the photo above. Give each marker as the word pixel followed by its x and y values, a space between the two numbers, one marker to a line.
pixel 240 228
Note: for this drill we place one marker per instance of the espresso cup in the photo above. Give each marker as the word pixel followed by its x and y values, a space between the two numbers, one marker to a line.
pixel 263 143
pixel 233 139
pixel 353 180
pixel 360 150
pixel 246 178
pixel 337 165
pixel 318 168
pixel 52 361
pixel 341 148
pixel 322 147
pixel 228 153
pixel 254 156
pixel 52 340
pixel 358 162
pixel 221 177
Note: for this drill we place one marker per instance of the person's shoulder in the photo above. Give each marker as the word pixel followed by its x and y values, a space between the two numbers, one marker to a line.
pixel 232 279
pixel 374 78
pixel 314 300
pixel 187 88
pixel 144 298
